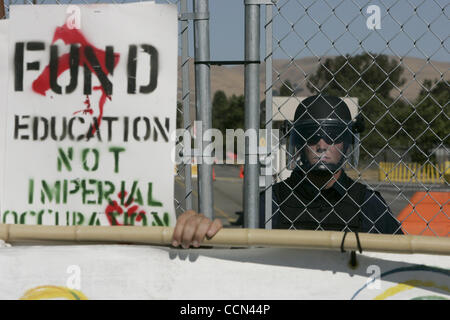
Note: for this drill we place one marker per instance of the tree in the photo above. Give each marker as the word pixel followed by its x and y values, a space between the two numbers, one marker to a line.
pixel 360 75
pixel 286 89
pixel 235 116
pixel 228 113
pixel 428 123
pixel 219 109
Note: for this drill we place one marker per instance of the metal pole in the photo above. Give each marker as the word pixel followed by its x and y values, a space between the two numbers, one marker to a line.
pixel 251 176
pixel 186 103
pixel 203 103
pixel 269 116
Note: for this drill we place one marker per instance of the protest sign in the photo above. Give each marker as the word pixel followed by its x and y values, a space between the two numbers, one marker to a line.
pixel 149 272
pixel 3 93
pixel 91 107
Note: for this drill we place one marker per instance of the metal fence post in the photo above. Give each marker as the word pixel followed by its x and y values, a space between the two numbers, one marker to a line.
pixel 186 102
pixel 269 115
pixel 203 104
pixel 252 55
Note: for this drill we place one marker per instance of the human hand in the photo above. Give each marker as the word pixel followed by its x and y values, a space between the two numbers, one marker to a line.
pixel 192 228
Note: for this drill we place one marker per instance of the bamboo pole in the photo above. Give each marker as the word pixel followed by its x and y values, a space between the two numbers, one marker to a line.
pixel 230 238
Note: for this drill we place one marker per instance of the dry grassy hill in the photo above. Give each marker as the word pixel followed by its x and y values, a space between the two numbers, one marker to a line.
pixel 231 79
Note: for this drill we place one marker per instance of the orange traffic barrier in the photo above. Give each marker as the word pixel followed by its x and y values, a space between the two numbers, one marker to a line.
pixel 427 214
pixel 241 172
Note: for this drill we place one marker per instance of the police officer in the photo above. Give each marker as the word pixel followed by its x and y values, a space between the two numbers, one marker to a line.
pixel 318 195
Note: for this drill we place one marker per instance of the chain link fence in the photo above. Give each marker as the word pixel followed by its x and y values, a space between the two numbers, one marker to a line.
pixel 388 60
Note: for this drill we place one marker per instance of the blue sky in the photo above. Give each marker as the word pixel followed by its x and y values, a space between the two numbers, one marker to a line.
pixel 415 28
pixel 294 25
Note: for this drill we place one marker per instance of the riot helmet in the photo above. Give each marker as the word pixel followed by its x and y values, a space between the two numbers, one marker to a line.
pixel 324 137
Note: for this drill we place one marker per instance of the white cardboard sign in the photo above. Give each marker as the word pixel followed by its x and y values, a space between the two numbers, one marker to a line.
pixel 3 94
pixel 91 105
pixel 146 272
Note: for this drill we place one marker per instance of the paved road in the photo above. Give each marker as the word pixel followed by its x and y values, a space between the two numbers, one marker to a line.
pixel 228 194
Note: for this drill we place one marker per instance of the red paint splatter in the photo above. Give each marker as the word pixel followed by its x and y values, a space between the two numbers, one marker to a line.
pixel 88 109
pixel 74 36
pixel 113 210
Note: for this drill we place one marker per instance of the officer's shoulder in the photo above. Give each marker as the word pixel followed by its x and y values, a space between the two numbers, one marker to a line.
pixel 370 189
pixel 361 186
pixel 275 187
pixel 370 192
pixel 373 195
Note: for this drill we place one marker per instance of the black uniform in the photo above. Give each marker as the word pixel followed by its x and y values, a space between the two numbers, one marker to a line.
pixel 346 206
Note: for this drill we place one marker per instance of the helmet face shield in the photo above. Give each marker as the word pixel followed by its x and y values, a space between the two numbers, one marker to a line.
pixel 331 131
pixel 311 153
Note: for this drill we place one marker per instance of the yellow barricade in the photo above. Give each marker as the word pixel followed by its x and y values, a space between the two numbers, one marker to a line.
pixel 414 172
